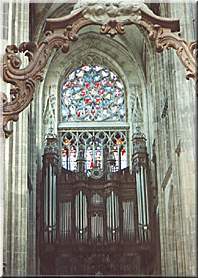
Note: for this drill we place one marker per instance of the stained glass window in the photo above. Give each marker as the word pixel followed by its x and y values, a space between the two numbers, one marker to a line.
pixel 96 147
pixel 92 93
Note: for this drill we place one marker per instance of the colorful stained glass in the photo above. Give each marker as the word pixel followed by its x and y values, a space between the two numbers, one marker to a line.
pixel 92 93
pixel 96 147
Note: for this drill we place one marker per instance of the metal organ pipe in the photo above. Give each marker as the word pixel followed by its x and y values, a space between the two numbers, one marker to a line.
pixel 46 206
pixel 113 210
pixel 97 225
pixel 54 206
pixel 50 166
pixel 81 215
pixel 140 165
pixel 147 201
pixel 50 203
pixel 69 218
pixel 127 211
pixel 116 212
pixel 128 219
pixel 65 219
pixel 76 214
pixel 112 207
pixel 138 204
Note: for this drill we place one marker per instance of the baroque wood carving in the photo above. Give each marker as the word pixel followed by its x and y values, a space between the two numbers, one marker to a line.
pixel 61 32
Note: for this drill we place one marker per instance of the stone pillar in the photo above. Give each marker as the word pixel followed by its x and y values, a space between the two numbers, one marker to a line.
pixel 15 163
pixel 184 144
pixel 2 145
pixel 176 149
pixel 173 123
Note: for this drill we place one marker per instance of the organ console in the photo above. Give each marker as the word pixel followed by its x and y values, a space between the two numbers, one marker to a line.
pixel 98 224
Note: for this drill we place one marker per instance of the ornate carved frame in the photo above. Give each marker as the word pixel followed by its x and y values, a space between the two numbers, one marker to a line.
pixel 60 32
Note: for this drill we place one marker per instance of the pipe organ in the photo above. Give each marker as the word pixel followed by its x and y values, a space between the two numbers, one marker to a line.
pixel 93 224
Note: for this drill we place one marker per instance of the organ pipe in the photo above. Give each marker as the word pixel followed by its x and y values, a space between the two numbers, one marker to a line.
pixel 81 215
pixel 112 207
pixel 140 167
pixel 50 167
pixel 65 220
pixel 128 220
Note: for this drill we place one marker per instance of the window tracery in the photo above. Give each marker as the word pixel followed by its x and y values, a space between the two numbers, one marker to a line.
pixel 95 147
pixel 92 93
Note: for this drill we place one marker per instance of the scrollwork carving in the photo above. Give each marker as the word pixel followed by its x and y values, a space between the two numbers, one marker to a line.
pixel 24 80
pixel 185 51
pixel 164 39
pixel 112 28
pixel 29 48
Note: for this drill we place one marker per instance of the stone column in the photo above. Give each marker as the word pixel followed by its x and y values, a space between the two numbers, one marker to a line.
pixel 2 145
pixel 15 163
pixel 184 145
pixel 173 122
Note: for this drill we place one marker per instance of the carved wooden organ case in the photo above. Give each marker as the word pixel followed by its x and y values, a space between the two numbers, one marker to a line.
pixel 97 225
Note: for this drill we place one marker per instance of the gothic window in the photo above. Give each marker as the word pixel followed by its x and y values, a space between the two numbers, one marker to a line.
pixel 95 147
pixel 92 93
pixel 95 96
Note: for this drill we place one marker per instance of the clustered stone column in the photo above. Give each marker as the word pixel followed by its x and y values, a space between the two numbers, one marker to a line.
pixel 16 196
pixel 172 103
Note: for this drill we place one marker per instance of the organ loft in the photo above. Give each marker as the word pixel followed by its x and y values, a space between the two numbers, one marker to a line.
pixel 96 215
